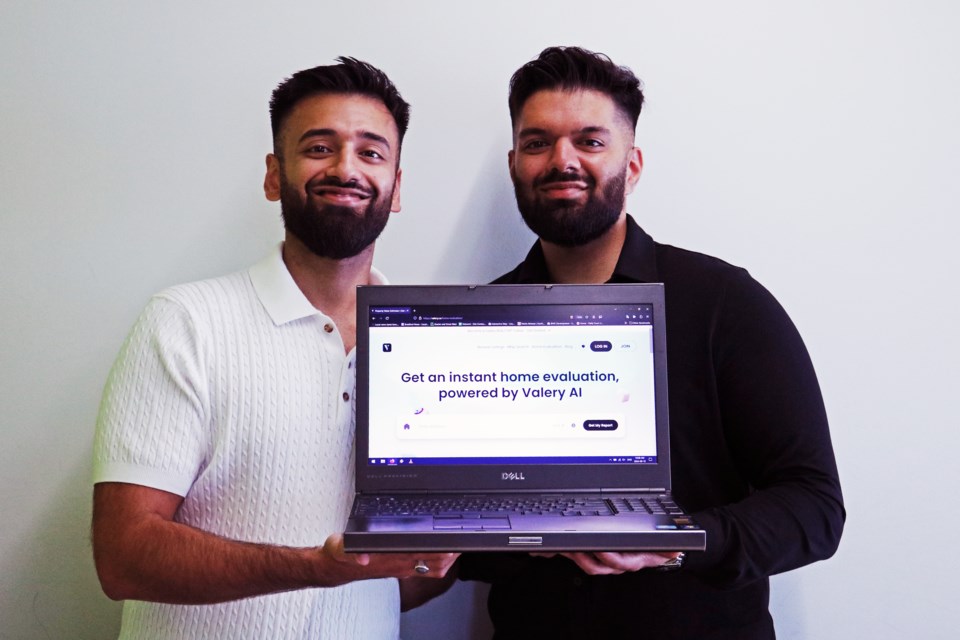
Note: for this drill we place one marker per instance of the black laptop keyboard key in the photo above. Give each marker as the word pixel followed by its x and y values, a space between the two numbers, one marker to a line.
pixel 660 506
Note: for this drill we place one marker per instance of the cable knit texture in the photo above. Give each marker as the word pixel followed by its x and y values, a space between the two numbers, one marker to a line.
pixel 230 392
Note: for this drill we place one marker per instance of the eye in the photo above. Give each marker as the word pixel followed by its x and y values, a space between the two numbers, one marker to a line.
pixel 373 154
pixel 535 145
pixel 318 148
pixel 592 142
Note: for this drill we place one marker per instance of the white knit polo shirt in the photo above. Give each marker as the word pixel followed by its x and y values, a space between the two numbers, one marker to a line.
pixel 236 394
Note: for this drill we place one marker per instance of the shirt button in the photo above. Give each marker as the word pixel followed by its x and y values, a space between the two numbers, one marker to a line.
pixel 346 396
pixel 577 582
pixel 328 328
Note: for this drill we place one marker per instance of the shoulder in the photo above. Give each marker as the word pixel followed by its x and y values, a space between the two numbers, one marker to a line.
pixel 187 314
pixel 703 292
pixel 207 300
pixel 209 292
pixel 702 279
pixel 676 263
pixel 511 277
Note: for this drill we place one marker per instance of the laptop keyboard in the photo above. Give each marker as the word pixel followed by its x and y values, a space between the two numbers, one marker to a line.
pixel 499 506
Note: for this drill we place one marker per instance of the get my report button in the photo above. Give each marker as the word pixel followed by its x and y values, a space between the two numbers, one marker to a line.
pixel 600 425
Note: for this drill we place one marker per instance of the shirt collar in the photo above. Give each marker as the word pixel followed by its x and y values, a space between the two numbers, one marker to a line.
pixel 637 261
pixel 638 258
pixel 279 293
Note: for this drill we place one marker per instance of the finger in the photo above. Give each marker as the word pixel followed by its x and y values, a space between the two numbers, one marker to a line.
pixel 635 561
pixel 628 561
pixel 591 565
pixel 437 564
pixel 439 557
pixel 438 561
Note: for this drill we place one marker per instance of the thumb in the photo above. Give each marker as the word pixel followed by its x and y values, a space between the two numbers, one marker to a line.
pixel 362 559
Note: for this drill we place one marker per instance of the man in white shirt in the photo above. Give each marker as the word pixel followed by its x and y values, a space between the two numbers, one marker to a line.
pixel 223 461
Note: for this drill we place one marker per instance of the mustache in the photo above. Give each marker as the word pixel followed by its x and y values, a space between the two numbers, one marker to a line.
pixel 555 175
pixel 333 181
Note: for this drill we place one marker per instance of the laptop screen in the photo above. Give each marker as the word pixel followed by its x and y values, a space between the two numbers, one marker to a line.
pixel 495 384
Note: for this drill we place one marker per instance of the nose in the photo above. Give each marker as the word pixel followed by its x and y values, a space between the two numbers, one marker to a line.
pixel 344 166
pixel 564 156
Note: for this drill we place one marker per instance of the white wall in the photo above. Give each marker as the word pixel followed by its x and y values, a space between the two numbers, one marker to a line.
pixel 814 143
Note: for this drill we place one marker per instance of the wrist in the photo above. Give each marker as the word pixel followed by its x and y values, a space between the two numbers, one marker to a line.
pixel 326 570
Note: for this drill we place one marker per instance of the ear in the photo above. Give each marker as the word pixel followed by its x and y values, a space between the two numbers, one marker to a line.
pixel 511 156
pixel 271 181
pixel 634 169
pixel 395 201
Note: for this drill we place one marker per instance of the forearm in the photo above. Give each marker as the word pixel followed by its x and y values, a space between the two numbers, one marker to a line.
pixel 164 561
pixel 141 553
pixel 771 531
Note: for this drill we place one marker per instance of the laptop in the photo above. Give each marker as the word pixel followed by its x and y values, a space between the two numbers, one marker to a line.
pixel 513 417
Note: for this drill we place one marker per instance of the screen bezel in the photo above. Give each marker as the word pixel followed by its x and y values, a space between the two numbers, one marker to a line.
pixel 509 476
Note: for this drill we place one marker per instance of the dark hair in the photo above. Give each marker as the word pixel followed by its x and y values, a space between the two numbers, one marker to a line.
pixel 350 76
pixel 573 68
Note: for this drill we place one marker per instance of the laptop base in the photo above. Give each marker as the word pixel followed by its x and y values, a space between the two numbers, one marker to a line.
pixel 533 540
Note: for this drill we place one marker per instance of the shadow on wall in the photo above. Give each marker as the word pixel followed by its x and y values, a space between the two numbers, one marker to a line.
pixel 57 594
pixel 490 237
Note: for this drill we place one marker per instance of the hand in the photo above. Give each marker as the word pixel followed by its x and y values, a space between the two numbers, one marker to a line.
pixel 359 566
pixel 416 591
pixel 604 563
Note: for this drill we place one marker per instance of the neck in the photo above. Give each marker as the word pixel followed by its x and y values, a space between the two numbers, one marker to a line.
pixel 591 263
pixel 329 285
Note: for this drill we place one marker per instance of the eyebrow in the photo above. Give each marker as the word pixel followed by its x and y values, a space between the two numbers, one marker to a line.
pixel 367 135
pixel 537 131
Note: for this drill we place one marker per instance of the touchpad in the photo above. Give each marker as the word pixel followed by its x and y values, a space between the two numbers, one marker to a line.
pixel 470 524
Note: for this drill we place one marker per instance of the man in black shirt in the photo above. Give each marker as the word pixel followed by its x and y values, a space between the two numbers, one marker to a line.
pixel 752 457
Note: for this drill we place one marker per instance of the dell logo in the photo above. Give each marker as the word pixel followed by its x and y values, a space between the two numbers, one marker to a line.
pixel 512 475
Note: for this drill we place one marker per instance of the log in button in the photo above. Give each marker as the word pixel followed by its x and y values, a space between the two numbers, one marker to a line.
pixel 600 425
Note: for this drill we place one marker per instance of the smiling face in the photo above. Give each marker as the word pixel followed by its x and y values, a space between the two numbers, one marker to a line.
pixel 572 164
pixel 335 173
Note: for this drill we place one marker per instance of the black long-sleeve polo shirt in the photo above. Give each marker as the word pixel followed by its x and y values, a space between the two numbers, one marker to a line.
pixel 751 458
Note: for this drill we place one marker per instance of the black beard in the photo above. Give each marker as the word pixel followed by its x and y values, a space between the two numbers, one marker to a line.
pixel 332 231
pixel 565 223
